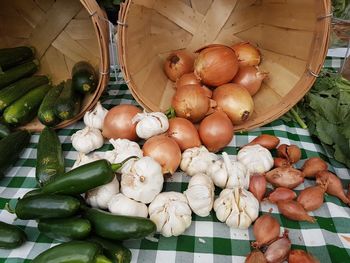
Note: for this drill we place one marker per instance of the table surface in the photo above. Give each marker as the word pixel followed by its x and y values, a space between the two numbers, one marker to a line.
pixel 207 239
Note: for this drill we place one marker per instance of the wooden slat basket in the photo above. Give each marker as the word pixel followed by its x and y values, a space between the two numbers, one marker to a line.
pixel 292 36
pixel 62 32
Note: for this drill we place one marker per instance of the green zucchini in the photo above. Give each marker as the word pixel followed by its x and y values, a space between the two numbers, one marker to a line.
pixel 33 192
pixel 4 130
pixel 50 161
pixel 11 147
pixel 19 72
pixel 10 57
pixel 65 229
pixel 20 88
pixel 117 227
pixel 46 113
pixel 25 108
pixel 84 78
pixel 43 206
pixel 68 103
pixel 11 236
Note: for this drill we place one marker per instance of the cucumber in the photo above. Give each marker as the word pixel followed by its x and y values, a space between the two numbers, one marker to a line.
pixel 44 206
pixel 10 57
pixel 46 113
pixel 65 229
pixel 68 103
pixel 84 78
pixel 25 108
pixel 20 88
pixel 11 236
pixel 19 72
pixel 11 147
pixel 4 130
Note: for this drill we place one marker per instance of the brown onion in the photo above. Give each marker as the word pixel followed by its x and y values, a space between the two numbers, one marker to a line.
pixel 312 166
pixel 118 122
pixel 290 152
pixel 165 151
pixel 267 141
pixel 216 131
pixel 257 186
pixel 311 198
pixel 190 79
pixel 285 177
pixel 250 78
pixel 278 251
pixel 247 54
pixel 266 229
pixel 178 63
pixel 281 194
pixel 301 256
pixel 216 65
pixel 294 211
pixel 280 162
pixel 235 101
pixel 184 133
pixel 191 102
pixel 255 256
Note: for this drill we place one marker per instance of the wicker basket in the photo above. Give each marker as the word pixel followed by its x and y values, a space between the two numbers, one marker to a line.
pixel 63 32
pixel 292 36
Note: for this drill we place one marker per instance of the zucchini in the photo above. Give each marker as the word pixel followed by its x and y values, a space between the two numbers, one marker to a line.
pixel 68 103
pixel 84 78
pixel 11 236
pixel 46 113
pixel 50 161
pixel 25 108
pixel 20 88
pixel 4 130
pixel 10 148
pixel 19 72
pixel 10 57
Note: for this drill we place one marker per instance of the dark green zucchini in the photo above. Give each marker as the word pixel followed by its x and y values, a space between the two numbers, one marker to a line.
pixel 25 108
pixel 19 72
pixel 4 130
pixel 11 236
pixel 10 57
pixel 84 78
pixel 20 88
pixel 50 161
pixel 46 113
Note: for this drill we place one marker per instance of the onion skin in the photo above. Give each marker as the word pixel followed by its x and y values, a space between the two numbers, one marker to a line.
pixel 178 63
pixel 235 101
pixel 301 256
pixel 280 162
pixel 247 54
pixel 216 65
pixel 266 230
pixel 294 211
pixel 312 166
pixel 278 251
pixel 184 133
pixel 257 186
pixel 187 79
pixel 256 256
pixel 290 152
pixel 311 198
pixel 250 78
pixel 287 177
pixel 118 123
pixel 268 141
pixel 216 131
pixel 165 151
pixel 281 194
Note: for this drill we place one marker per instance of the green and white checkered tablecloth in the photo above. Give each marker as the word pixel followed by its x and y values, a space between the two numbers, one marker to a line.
pixel 207 240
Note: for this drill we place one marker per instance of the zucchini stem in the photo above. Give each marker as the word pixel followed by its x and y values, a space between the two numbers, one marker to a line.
pixel 9 209
pixel 117 166
pixel 298 119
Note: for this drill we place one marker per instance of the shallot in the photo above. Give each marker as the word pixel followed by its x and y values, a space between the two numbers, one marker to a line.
pixel 301 256
pixel 247 54
pixel 294 211
pixel 266 229
pixel 257 186
pixel 278 251
pixel 312 166
pixel 267 141
pixel 288 177
pixel 280 162
pixel 178 63
pixel 250 78
pixel 290 152
pixel 256 256
pixel 311 198
pixel 281 194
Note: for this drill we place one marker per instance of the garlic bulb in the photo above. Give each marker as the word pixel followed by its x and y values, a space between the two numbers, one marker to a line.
pixel 197 160
pixel 119 204
pixel 95 118
pixel 256 158
pixel 237 207
pixel 150 124
pixel 87 140
pixel 142 179
pixel 84 159
pixel 171 213
pixel 100 196
pixel 200 194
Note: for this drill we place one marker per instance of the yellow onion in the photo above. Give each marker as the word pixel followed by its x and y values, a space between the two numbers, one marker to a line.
pixel 165 151
pixel 190 79
pixel 216 131
pixel 118 123
pixel 216 65
pixel 250 78
pixel 184 133
pixel 247 54
pixel 178 63
pixel 235 101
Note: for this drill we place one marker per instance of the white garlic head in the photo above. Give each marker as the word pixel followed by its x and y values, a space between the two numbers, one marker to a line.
pixel 150 124
pixel 84 159
pixel 95 117
pixel 119 204
pixel 87 140
pixel 100 196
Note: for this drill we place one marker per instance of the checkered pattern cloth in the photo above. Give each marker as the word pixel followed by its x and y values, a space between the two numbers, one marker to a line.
pixel 207 239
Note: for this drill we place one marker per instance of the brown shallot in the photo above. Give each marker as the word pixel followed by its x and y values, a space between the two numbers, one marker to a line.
pixel 312 166
pixel 288 177
pixel 348 193
pixel 268 141
pixel 280 162
pixel 178 63
pixel 250 78
pixel 311 198
pixel 278 251
pixel 294 211
pixel 247 54
pixel 266 229
pixel 256 256
pixel 281 194
pixel 301 256
pixel 290 152
pixel 257 186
